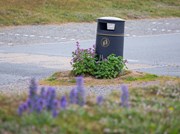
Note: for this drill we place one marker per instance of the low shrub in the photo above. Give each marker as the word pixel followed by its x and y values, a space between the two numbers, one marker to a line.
pixel 86 62
pixel 83 61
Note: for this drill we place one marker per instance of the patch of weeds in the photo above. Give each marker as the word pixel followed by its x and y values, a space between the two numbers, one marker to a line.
pixel 149 77
pixel 131 78
pixel 72 80
pixel 51 79
pixel 146 77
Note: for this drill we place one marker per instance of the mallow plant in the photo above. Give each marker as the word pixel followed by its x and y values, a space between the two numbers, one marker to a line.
pixel 86 62
pixel 83 61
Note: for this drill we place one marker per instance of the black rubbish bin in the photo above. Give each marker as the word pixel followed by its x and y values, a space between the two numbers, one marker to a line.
pixel 110 36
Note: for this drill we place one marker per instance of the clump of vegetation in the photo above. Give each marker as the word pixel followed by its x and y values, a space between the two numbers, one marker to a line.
pixel 85 62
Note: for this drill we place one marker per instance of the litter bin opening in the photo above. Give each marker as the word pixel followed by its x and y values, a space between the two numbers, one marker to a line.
pixel 110 36
pixel 107 26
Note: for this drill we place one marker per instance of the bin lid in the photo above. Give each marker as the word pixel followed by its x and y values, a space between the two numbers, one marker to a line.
pixel 111 18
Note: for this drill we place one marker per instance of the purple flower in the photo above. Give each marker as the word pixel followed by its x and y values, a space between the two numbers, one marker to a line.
pixel 29 103
pixel 79 81
pixel 25 106
pixel 39 109
pixel 33 97
pixel 99 100
pixel 124 96
pixel 20 110
pixel 33 88
pixel 77 94
pixel 51 92
pixel 43 93
pixel 77 43
pixel 80 91
pixel 81 98
pixel 40 105
pixel 55 104
pixel 73 96
pixel 51 95
pixel 63 102
pixel 54 108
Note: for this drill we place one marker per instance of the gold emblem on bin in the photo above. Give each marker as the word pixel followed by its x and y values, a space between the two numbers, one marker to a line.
pixel 105 42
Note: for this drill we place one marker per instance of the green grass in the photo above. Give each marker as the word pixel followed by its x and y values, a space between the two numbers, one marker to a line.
pixel 146 77
pixel 20 12
pixel 152 110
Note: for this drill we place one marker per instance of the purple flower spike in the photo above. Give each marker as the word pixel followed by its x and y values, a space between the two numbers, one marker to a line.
pixel 33 88
pixel 81 98
pixel 63 102
pixel 51 95
pixel 79 81
pixel 39 109
pixel 43 93
pixel 25 106
pixel 73 96
pixel 20 110
pixel 54 109
pixel 80 91
pixel 124 96
pixel 55 104
pixel 99 100
pixel 29 104
pixel 40 104
pixel 52 92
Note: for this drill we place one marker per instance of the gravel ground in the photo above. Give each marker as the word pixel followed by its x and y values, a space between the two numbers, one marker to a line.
pixel 21 88
pixel 24 35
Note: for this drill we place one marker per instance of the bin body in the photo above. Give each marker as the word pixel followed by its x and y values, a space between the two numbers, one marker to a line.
pixel 110 36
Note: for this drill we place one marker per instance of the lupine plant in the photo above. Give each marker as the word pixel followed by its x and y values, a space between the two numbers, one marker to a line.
pixel 124 96
pixel 99 100
pixel 77 94
pixel 47 100
pixel 37 103
pixel 63 102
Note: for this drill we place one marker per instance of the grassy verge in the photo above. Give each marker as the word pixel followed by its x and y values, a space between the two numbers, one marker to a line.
pixel 152 110
pixel 128 77
pixel 19 12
